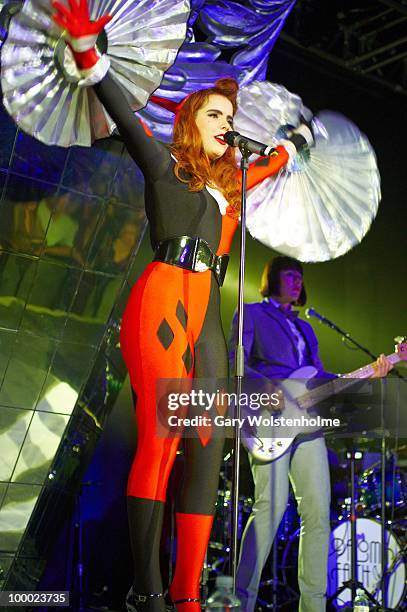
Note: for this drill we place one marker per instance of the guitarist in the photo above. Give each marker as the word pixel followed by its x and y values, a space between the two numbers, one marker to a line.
pixel 276 343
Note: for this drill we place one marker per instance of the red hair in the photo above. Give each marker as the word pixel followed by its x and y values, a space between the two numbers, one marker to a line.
pixel 193 165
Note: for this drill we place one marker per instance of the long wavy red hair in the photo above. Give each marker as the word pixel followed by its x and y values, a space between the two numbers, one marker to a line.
pixel 193 165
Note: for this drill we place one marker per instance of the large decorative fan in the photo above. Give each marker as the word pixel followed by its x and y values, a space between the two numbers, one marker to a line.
pixel 40 81
pixel 323 202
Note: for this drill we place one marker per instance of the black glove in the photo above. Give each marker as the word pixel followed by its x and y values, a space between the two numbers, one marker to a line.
pixel 302 136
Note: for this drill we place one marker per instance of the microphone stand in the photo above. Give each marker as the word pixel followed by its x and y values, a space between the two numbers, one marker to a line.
pixel 239 364
pixel 345 335
pixel 353 582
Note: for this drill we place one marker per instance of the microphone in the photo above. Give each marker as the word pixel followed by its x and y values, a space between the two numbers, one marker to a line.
pixel 234 139
pixel 311 312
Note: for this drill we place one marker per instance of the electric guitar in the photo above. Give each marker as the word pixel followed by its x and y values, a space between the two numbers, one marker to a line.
pixel 297 401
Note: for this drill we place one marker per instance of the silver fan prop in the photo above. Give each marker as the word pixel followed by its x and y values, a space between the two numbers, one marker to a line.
pixel 322 203
pixel 40 81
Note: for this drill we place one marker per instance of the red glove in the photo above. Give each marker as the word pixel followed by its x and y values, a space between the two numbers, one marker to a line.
pixel 82 33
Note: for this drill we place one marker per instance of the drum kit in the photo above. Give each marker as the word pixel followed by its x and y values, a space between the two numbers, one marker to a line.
pixel 279 590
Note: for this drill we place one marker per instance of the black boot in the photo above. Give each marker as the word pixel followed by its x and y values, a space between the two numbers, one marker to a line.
pixel 140 602
pixel 145 526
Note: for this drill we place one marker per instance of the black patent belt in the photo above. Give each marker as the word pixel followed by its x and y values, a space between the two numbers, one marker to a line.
pixel 192 254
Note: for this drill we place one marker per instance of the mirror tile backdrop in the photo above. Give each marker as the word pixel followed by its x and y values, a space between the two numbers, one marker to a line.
pixel 71 221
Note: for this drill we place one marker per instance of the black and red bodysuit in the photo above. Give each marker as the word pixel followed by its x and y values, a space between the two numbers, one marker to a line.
pixel 172 329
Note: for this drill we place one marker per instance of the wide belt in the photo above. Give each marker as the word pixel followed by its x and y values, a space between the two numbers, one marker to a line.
pixel 192 254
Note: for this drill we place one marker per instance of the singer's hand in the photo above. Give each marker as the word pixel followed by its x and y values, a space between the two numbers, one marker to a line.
pixel 381 367
pixel 75 20
pixel 303 131
pixel 81 35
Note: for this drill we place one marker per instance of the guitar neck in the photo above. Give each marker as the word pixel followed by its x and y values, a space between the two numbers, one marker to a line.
pixel 309 399
pixel 368 370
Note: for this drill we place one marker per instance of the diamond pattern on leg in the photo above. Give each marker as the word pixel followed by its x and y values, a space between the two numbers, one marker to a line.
pixel 165 334
pixel 182 315
pixel 188 359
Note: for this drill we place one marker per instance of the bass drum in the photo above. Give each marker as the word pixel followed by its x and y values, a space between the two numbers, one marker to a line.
pixel 368 534
pixel 368 537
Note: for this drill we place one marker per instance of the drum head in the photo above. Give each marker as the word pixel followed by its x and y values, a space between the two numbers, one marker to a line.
pixel 368 535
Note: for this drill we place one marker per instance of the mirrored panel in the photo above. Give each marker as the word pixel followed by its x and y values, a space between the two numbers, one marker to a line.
pixel 50 299
pixel 73 222
pixel 128 186
pixel 57 396
pixel 16 278
pixel 5 564
pixel 117 236
pixel 69 372
pixel 15 512
pixel 91 170
pixel 141 257
pixel 92 306
pixel 111 343
pixel 3 488
pixel 26 370
pixel 24 215
pixel 3 176
pixel 33 158
pixel 42 440
pixel 8 132
pixel 100 388
pixel 7 340
pixel 14 424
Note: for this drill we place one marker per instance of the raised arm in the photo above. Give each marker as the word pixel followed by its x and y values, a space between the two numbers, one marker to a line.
pixel 151 156
pixel 81 33
pixel 263 167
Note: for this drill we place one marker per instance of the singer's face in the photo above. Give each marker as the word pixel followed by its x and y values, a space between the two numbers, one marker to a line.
pixel 213 119
pixel 290 286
